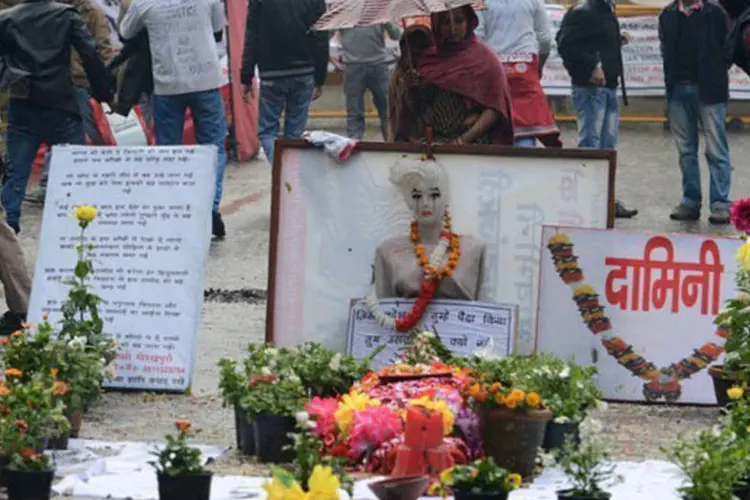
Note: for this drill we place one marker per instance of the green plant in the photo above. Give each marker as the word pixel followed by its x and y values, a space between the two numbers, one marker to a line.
pixel 231 382
pixel 736 318
pixel 566 387
pixel 273 394
pixel 178 458
pixel 588 464
pixel 326 373
pixel 482 476
pixel 714 463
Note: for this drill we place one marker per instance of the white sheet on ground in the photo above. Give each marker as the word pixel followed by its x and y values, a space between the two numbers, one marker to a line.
pixel 120 470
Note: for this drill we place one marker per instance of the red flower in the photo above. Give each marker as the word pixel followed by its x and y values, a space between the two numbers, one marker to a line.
pixel 329 440
pixel 22 425
pixel 740 215
pixel 28 453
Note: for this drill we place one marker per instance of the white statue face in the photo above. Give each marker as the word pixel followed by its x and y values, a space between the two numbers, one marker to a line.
pixel 427 203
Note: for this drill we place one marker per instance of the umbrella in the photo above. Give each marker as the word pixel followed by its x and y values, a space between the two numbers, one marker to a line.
pixel 342 14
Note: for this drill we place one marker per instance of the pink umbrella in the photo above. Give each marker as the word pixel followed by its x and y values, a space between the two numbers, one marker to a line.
pixel 342 14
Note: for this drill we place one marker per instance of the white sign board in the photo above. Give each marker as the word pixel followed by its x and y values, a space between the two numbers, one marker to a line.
pixel 642 61
pixel 151 233
pixel 329 219
pixel 465 328
pixel 639 306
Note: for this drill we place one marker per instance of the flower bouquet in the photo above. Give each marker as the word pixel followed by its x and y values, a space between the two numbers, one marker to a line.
pixel 481 480
pixel 179 467
pixel 323 485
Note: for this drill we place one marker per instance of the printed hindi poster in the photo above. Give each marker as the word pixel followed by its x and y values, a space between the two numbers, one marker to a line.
pixel 151 239
pixel 639 306
pixel 465 328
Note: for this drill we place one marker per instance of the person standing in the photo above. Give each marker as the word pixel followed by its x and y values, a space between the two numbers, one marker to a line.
pixel 97 23
pixel 292 61
pixel 36 41
pixel 520 33
pixel 365 63
pixel 187 74
pixel 590 44
pixel 739 37
pixel 693 34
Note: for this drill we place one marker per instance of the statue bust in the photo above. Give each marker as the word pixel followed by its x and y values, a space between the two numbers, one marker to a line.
pixel 402 262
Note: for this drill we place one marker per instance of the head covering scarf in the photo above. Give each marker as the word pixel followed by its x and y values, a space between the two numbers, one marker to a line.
pixel 471 69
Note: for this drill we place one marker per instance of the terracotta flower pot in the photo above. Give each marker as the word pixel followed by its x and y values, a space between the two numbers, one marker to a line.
pixel 400 488
pixel 513 437
pixel 76 421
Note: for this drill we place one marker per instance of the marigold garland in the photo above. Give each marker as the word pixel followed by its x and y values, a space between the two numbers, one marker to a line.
pixel 664 382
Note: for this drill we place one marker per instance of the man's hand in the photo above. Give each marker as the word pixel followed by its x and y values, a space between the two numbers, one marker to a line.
pixel 625 38
pixel 248 93
pixel 598 78
pixel 317 92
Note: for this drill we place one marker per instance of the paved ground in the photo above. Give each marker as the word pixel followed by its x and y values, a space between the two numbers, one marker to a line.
pixel 647 178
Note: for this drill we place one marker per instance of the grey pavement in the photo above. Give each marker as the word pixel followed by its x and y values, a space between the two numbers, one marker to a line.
pixel 647 178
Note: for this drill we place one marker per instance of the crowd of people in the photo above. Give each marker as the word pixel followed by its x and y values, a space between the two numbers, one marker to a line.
pixel 469 77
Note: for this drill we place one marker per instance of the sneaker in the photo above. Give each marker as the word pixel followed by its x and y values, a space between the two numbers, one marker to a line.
pixel 622 212
pixel 685 213
pixel 719 216
pixel 10 323
pixel 36 195
pixel 217 226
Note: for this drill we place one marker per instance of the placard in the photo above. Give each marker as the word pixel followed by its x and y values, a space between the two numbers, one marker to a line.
pixel 465 328
pixel 152 233
pixel 639 306
pixel 328 219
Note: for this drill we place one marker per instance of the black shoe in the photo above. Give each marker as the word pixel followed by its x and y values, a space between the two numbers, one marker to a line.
pixel 10 323
pixel 685 213
pixel 15 227
pixel 719 217
pixel 622 212
pixel 217 226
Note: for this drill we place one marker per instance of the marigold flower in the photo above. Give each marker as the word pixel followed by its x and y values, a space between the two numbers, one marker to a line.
pixel 496 387
pixel 59 388
pixel 500 398
pixel 511 403
pixel 17 333
pixel 513 481
pixel 13 372
pixel 735 393
pixel 482 397
pixel 85 213
pixel 4 391
pixel 54 372
pixel 22 425
pixel 4 340
pixel 475 390
pixel 517 395
pixel 533 399
pixel 183 425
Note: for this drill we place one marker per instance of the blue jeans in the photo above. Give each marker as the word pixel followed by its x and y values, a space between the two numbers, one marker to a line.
pixel 685 114
pixel 598 116
pixel 29 125
pixel 210 122
pixel 292 96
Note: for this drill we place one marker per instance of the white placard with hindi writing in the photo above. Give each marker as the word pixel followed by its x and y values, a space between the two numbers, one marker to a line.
pixel 465 328
pixel 647 318
pixel 152 233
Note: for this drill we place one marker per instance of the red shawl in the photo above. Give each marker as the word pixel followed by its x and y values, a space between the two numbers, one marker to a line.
pixel 471 69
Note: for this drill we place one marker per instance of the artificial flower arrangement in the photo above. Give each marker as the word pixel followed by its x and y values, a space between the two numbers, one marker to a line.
pixel 480 479
pixel 322 485
pixel 179 467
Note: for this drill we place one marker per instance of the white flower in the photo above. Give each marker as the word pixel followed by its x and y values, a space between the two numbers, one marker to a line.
pixel 272 352
pixel 548 460
pixel 562 420
pixel 565 372
pixel 602 406
pixel 311 425
pixel 427 335
pixel 591 427
pixel 302 418
pixel 335 362
pixel 294 379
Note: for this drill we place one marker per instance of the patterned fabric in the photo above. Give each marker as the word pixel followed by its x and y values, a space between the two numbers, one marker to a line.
pixel 349 13
pixel 446 113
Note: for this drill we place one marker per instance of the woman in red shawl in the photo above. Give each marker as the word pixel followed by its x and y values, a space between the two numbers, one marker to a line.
pixel 461 93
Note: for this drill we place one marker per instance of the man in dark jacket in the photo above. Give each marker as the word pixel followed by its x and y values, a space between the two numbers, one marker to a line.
pixel 292 62
pixel 693 34
pixel 590 44
pixel 36 38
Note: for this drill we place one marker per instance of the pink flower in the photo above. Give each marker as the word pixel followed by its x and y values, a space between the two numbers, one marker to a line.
pixel 740 215
pixel 371 428
pixel 322 412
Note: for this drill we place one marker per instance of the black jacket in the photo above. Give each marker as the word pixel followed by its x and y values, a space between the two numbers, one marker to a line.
pixel 713 77
pixel 138 77
pixel 36 38
pixel 590 34
pixel 279 40
pixel 737 53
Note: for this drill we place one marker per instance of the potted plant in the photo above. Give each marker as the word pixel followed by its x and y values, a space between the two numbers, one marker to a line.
pixel 513 416
pixel 323 485
pixel 736 417
pixel 714 464
pixel 569 391
pixel 273 401
pixel 325 373
pixel 29 475
pixel 179 467
pixel 231 382
pixel 481 480
pixel 587 463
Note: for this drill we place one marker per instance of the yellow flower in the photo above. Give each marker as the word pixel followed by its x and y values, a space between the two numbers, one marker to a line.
pixel 511 403
pixel 324 484
pixel 533 399
pixel 735 393
pixel 85 213
pixel 351 403
pixel 513 481
pixel 517 395
pixel 500 398
pixel 446 477
pixel 743 255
